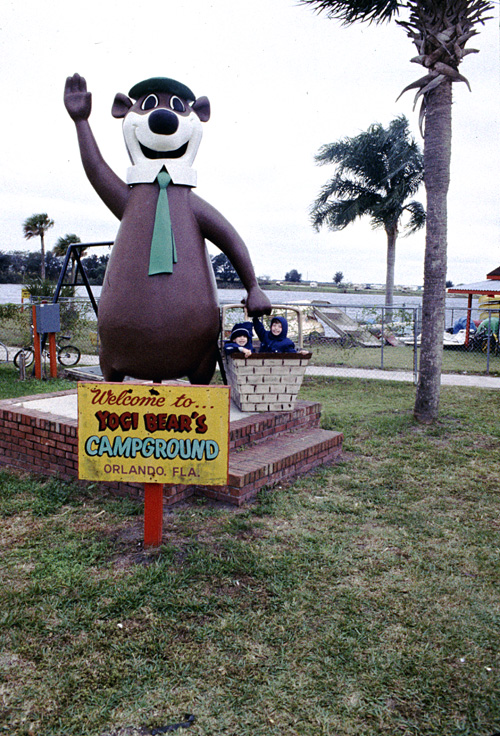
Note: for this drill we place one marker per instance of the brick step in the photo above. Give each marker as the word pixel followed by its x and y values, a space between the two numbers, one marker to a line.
pixel 277 458
pixel 259 427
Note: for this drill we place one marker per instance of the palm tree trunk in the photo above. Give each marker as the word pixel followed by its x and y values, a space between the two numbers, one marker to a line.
pixel 392 234
pixel 42 265
pixel 437 155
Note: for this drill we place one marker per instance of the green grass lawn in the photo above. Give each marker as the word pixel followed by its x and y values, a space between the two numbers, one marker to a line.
pixel 360 600
pixel 11 386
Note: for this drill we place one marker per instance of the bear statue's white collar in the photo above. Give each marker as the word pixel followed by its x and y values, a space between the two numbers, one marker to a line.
pixel 145 172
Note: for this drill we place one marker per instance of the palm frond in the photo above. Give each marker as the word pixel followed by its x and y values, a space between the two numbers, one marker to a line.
pixel 341 187
pixel 336 214
pixel 352 11
pixel 440 30
pixel 417 219
pixel 63 243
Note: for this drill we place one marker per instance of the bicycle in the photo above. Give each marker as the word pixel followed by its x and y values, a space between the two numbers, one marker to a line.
pixel 482 341
pixel 67 355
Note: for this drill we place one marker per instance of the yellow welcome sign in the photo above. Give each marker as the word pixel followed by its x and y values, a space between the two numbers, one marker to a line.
pixel 145 433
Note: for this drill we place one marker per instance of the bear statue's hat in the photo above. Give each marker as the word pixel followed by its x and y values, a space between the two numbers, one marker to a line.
pixel 161 84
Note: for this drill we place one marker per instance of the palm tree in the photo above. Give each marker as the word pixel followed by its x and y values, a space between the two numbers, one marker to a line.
pixel 37 226
pixel 61 248
pixel 440 30
pixel 377 171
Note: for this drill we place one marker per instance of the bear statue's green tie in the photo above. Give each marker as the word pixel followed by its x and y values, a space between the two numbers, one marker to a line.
pixel 163 253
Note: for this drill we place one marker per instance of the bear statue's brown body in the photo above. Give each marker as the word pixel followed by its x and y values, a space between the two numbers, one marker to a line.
pixel 160 315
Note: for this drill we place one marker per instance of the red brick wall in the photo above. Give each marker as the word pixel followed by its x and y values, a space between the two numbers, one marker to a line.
pixel 33 442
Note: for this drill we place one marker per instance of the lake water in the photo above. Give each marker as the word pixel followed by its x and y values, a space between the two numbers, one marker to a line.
pixel 353 303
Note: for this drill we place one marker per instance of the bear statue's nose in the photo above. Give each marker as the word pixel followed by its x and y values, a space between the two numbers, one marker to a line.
pixel 163 122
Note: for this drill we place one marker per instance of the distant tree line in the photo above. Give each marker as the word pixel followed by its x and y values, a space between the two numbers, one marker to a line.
pixel 17 266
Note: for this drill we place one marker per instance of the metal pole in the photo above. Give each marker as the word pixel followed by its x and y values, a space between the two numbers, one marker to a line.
pixel 383 340
pixel 467 325
pixel 76 248
pixel 415 346
pixel 37 346
pixel 488 345
pixel 22 366
pixel 80 268
pixel 61 276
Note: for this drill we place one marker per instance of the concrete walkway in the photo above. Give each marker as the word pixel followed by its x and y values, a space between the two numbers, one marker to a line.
pixel 447 379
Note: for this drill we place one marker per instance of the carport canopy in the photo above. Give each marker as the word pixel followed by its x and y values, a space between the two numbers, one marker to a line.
pixel 490 287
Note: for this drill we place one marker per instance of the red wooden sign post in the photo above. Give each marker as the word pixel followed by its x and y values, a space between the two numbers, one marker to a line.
pixel 153 514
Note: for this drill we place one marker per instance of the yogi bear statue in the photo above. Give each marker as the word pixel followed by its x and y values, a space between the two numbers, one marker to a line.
pixel 158 312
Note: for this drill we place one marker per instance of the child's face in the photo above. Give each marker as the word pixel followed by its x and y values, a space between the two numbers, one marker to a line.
pixel 276 328
pixel 241 340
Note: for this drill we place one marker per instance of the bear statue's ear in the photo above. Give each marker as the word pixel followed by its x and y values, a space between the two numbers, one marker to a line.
pixel 121 106
pixel 202 108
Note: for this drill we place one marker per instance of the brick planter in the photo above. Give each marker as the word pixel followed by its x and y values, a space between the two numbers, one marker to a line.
pixel 265 381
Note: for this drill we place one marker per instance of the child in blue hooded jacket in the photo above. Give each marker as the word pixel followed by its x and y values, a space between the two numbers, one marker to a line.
pixel 274 340
pixel 240 340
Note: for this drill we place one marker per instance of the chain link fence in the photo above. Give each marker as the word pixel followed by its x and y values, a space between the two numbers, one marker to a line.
pixel 347 339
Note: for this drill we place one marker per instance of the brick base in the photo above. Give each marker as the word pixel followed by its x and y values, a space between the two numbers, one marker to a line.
pixel 263 449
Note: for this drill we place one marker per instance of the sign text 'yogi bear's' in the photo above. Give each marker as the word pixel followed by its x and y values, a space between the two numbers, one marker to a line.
pixel 144 433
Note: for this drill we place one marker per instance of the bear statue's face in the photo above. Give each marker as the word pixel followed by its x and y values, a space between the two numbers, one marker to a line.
pixel 161 126
pixel 162 129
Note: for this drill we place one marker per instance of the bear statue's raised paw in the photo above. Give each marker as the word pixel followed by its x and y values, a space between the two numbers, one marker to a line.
pixel 257 303
pixel 77 100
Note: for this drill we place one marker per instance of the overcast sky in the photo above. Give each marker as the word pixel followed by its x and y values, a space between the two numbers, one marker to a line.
pixel 282 81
